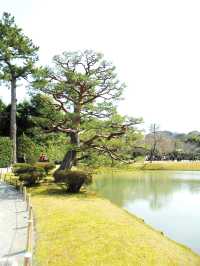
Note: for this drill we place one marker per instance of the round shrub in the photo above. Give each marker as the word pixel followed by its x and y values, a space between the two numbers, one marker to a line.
pixel 46 166
pixel 17 166
pixel 29 174
pixel 72 179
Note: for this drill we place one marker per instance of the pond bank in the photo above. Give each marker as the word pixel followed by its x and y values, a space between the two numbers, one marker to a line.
pixel 159 165
pixel 167 200
pixel 85 230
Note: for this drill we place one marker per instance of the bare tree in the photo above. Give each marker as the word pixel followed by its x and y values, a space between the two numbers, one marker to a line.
pixel 154 136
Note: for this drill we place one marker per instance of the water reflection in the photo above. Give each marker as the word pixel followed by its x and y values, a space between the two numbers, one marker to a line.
pixel 168 200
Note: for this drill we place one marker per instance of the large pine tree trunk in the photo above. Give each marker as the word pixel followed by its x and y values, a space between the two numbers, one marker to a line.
pixel 13 124
pixel 68 160
pixel 70 157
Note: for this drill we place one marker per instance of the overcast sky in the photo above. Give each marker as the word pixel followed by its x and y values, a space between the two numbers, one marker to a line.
pixel 155 46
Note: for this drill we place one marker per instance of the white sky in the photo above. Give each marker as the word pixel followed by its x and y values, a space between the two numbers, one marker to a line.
pixel 155 46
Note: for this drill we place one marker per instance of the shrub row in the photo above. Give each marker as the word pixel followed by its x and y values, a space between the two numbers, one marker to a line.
pixel 46 166
pixel 32 174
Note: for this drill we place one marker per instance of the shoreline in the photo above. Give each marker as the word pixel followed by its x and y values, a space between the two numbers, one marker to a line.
pixel 98 232
pixel 161 165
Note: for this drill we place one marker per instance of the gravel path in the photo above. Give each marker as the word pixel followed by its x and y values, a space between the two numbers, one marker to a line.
pixel 13 226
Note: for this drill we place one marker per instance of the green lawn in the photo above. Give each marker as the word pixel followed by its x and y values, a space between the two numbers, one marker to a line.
pixel 83 230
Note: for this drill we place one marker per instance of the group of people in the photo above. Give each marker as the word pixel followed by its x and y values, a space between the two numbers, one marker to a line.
pixel 43 158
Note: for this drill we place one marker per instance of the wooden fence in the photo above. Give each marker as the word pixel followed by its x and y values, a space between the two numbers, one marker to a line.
pixel 7 176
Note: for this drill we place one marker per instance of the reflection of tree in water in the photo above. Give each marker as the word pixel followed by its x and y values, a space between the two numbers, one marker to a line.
pixel 194 186
pixel 155 187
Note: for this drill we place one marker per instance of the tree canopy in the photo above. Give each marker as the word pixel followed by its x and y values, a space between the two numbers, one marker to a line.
pixel 18 55
pixel 17 52
pixel 84 90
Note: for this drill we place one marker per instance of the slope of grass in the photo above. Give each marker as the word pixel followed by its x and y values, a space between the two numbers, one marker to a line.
pixel 83 230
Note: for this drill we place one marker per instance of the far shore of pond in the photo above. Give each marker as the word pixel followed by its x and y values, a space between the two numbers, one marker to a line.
pixel 155 165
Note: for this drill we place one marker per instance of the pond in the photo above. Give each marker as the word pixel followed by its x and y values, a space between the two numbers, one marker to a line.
pixel 167 200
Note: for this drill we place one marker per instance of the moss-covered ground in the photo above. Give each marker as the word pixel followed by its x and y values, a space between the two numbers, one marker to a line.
pixel 83 230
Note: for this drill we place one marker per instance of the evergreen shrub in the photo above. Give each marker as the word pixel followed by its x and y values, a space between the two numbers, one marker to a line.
pixel 72 179
pixel 5 152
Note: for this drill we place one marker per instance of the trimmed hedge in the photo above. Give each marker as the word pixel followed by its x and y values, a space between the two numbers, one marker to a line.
pixel 72 179
pixel 30 174
pixel 20 165
pixel 46 166
pixel 5 152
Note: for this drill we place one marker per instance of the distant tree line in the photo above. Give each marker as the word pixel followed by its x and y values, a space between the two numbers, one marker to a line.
pixel 172 146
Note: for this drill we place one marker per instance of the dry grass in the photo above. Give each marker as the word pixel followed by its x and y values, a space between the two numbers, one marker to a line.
pixel 178 166
pixel 157 165
pixel 82 230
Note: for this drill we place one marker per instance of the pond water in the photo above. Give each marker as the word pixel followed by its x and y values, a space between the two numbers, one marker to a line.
pixel 167 200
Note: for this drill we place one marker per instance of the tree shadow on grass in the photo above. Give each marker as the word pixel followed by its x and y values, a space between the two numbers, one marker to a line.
pixel 59 190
